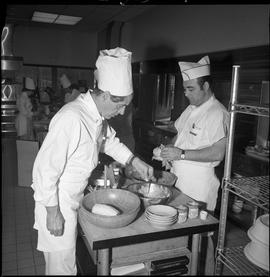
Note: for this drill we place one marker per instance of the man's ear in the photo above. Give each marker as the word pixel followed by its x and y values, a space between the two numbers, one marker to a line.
pixel 206 86
pixel 105 95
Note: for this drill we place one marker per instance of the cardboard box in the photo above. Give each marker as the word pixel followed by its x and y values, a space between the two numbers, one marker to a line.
pixel 26 153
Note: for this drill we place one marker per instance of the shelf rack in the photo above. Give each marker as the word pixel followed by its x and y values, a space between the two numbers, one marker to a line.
pixel 253 189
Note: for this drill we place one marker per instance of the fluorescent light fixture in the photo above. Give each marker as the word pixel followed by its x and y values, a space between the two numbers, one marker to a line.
pixel 55 18
pixel 69 20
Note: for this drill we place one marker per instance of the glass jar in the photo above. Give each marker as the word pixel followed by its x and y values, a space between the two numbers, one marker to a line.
pixel 182 213
pixel 193 209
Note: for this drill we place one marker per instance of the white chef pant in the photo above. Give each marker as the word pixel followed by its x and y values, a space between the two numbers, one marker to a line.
pixel 60 262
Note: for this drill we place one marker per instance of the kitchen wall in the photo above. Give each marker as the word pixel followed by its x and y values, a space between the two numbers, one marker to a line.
pixel 180 30
pixel 55 47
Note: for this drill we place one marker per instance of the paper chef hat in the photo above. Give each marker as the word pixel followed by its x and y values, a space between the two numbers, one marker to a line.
pixel 195 70
pixel 113 71
pixel 29 83
pixel 65 81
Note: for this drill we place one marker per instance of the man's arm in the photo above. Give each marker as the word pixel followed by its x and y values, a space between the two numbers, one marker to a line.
pixel 212 153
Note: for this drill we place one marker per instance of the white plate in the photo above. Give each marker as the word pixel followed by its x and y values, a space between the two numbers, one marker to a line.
pixel 161 225
pixel 160 217
pixel 162 210
pixel 254 260
pixel 161 222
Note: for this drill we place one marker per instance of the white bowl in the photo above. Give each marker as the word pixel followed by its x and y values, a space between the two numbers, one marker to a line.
pixel 260 230
pixel 258 254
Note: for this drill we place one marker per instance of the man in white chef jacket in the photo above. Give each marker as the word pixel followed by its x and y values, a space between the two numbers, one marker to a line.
pixel 200 143
pixel 71 90
pixel 69 154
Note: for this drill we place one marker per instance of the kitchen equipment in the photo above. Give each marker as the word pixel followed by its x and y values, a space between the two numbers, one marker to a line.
pixel 126 202
pixel 162 177
pixel 151 193
pixel 260 230
pixel 156 96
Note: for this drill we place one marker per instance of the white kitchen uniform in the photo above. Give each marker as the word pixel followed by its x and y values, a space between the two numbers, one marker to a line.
pixel 23 121
pixel 64 163
pixel 200 127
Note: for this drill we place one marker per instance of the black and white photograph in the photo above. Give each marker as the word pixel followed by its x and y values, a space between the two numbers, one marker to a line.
pixel 135 138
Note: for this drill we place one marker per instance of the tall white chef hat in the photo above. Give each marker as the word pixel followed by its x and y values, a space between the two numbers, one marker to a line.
pixel 65 81
pixel 195 70
pixel 113 71
pixel 29 83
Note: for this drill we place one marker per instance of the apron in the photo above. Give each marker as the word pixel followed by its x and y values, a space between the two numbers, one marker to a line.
pixel 197 181
pixel 71 192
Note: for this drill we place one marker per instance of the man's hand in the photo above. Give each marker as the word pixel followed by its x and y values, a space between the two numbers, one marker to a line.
pixel 146 171
pixel 170 153
pixel 55 221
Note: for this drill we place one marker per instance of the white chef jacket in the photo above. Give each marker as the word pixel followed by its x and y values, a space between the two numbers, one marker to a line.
pixel 200 127
pixel 22 121
pixel 64 163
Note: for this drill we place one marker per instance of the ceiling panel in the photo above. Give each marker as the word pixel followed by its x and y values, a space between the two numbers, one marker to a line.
pixel 95 17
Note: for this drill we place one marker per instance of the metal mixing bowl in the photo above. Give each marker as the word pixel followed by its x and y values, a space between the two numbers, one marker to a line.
pixel 151 193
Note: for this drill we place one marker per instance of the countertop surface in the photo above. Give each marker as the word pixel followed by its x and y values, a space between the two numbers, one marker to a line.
pixel 141 230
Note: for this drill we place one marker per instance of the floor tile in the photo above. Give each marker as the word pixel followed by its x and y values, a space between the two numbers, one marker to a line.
pixel 28 271
pixel 25 263
pixel 39 260
pixel 21 255
pixel 40 269
pixel 10 273
pixel 8 257
pixel 21 247
pixel 8 248
pixel 7 266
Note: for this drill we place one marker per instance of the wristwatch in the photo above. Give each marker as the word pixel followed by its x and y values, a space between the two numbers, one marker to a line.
pixel 183 155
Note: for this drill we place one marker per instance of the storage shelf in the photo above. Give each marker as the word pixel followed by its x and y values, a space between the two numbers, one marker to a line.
pixel 235 259
pixel 252 189
pixel 253 110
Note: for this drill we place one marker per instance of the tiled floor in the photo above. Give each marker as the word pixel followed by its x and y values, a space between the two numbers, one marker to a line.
pixel 19 254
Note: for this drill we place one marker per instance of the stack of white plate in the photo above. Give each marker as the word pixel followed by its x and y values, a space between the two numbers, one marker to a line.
pixel 257 250
pixel 161 215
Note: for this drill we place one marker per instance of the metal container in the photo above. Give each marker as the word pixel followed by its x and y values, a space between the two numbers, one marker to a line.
pixel 151 193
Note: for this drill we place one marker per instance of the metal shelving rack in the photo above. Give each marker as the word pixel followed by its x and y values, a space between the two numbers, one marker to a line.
pixel 252 189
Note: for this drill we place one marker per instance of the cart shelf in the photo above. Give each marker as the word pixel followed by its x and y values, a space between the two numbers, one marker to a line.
pixel 235 259
pixel 254 110
pixel 252 189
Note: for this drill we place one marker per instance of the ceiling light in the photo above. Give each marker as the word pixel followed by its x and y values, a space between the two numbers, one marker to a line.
pixel 44 17
pixel 55 18
pixel 65 19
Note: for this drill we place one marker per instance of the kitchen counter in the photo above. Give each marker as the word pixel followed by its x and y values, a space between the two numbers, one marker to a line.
pixel 102 241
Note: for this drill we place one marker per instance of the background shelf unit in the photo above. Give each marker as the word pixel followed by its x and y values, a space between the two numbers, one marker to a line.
pixel 253 189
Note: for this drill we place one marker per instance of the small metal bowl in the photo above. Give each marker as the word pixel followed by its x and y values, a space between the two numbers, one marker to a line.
pixel 151 193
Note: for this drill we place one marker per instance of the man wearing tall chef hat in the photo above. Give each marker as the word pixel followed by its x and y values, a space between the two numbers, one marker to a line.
pixel 200 143
pixel 23 121
pixel 69 154
pixel 71 90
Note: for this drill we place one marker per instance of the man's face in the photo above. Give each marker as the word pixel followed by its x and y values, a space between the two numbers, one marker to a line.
pixel 194 93
pixel 111 109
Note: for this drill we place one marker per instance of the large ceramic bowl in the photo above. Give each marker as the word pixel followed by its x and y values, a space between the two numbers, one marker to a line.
pixel 258 254
pixel 126 202
pixel 151 193
pixel 260 230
